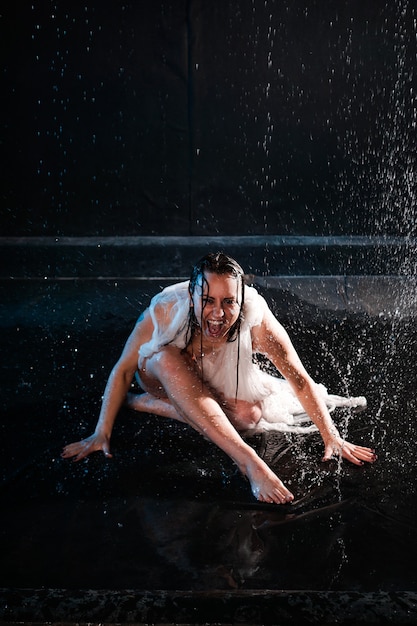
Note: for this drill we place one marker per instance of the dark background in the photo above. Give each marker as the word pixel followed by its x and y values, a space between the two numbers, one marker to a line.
pixel 176 117
pixel 209 120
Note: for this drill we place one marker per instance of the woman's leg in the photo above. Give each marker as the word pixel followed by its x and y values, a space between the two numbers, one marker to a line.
pixel 196 405
pixel 147 403
pixel 243 415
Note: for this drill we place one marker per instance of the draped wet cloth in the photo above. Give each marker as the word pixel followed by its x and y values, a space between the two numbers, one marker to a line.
pixel 232 370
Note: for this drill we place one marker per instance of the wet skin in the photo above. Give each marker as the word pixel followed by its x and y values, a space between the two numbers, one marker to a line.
pixel 173 388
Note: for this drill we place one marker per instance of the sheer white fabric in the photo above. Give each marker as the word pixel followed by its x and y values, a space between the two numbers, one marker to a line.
pixel 280 408
pixel 169 313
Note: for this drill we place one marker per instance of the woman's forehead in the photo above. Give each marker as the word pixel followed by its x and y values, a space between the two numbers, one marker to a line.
pixel 211 282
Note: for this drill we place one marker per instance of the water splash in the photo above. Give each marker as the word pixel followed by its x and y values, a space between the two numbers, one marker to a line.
pixel 380 121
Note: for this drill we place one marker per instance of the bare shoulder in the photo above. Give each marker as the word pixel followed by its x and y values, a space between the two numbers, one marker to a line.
pixel 141 333
pixel 270 331
pixel 271 339
pixel 157 315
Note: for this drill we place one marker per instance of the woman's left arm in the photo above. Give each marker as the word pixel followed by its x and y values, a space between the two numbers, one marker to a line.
pixel 272 340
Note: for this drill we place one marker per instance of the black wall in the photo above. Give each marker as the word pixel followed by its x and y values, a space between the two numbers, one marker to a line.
pixel 205 117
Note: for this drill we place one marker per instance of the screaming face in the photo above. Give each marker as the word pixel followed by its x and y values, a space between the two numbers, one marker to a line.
pixel 217 304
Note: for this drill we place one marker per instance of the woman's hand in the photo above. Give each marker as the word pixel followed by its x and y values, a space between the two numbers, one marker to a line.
pixel 358 455
pixel 81 449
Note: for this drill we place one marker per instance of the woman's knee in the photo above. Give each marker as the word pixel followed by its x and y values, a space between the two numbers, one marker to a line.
pixel 168 362
pixel 252 414
pixel 244 415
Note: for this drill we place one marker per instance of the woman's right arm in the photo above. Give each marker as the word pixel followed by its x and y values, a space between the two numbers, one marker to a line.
pixel 115 392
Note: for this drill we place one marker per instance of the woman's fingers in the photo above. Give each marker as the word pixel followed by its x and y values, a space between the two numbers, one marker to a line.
pixel 355 454
pixel 81 449
pixel 358 454
pixel 71 450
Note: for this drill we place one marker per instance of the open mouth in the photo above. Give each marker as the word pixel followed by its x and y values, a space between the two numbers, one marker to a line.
pixel 215 328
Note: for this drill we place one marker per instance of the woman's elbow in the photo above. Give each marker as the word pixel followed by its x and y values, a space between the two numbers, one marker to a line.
pixel 302 384
pixel 122 374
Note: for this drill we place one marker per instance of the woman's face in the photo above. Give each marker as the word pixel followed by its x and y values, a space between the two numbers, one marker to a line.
pixel 218 307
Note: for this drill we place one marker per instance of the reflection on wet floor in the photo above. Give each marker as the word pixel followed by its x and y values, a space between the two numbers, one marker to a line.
pixel 170 511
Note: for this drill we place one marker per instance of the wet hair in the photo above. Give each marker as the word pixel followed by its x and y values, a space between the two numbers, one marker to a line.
pixel 222 265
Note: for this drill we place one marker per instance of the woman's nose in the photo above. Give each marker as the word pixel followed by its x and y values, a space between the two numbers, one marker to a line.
pixel 218 311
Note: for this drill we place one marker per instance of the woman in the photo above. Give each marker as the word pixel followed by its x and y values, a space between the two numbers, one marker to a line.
pixel 192 351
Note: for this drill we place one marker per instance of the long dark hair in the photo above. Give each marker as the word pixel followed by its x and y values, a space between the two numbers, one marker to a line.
pixel 220 264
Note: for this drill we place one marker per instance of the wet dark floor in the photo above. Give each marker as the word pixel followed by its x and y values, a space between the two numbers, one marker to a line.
pixel 170 511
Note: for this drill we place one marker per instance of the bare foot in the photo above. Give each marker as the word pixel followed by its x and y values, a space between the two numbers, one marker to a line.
pixel 266 486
